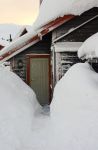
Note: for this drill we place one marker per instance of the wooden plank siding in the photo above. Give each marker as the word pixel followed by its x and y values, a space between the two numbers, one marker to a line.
pixel 42 47
pixel 82 33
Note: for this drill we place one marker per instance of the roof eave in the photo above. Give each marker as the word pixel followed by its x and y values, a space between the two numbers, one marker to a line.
pixel 44 30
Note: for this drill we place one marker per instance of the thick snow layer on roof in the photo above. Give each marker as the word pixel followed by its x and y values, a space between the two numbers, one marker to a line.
pixel 22 29
pixel 18 106
pixel 20 42
pixel 4 43
pixel 89 48
pixel 52 9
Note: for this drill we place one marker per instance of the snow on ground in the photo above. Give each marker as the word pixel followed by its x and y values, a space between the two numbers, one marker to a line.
pixel 18 106
pixel 52 9
pixel 79 83
pixel 89 48
pixel 73 121
pixel 74 109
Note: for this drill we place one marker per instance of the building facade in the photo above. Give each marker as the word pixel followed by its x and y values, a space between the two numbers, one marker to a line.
pixel 45 57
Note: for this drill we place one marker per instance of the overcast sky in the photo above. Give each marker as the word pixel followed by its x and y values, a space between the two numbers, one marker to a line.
pixel 18 11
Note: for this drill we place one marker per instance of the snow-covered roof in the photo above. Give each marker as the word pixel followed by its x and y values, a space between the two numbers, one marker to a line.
pixel 49 20
pixel 30 39
pixel 4 43
pixel 24 29
pixel 52 9
pixel 89 48
pixel 19 43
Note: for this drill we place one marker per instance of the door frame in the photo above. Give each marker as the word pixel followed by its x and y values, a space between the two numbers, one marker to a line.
pixel 28 57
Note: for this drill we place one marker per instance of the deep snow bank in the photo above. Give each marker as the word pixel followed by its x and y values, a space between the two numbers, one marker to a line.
pixel 74 109
pixel 73 123
pixel 77 89
pixel 18 105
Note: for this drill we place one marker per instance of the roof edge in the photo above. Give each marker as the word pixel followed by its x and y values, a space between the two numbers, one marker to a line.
pixel 43 31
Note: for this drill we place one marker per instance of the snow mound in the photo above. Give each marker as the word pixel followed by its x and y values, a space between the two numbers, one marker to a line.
pixel 52 9
pixel 74 109
pixel 89 48
pixel 77 88
pixel 73 123
pixel 18 106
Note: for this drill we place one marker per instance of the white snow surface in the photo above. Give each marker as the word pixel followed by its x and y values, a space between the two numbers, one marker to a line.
pixel 19 43
pixel 18 105
pixel 73 121
pixel 72 124
pixel 89 48
pixel 4 42
pixel 52 9
pixel 25 27
pixel 74 110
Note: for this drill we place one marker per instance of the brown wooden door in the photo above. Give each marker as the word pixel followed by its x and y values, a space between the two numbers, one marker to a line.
pixel 39 77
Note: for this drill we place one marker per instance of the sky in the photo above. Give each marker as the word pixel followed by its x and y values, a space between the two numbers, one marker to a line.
pixel 22 12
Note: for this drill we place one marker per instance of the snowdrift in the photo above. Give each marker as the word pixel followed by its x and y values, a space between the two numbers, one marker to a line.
pixel 77 88
pixel 72 125
pixel 74 109
pixel 18 106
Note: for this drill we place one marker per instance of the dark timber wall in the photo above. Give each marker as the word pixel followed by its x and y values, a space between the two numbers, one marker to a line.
pixel 19 61
pixel 83 32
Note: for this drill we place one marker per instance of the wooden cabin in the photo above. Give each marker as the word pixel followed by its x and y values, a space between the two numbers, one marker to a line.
pixel 41 59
